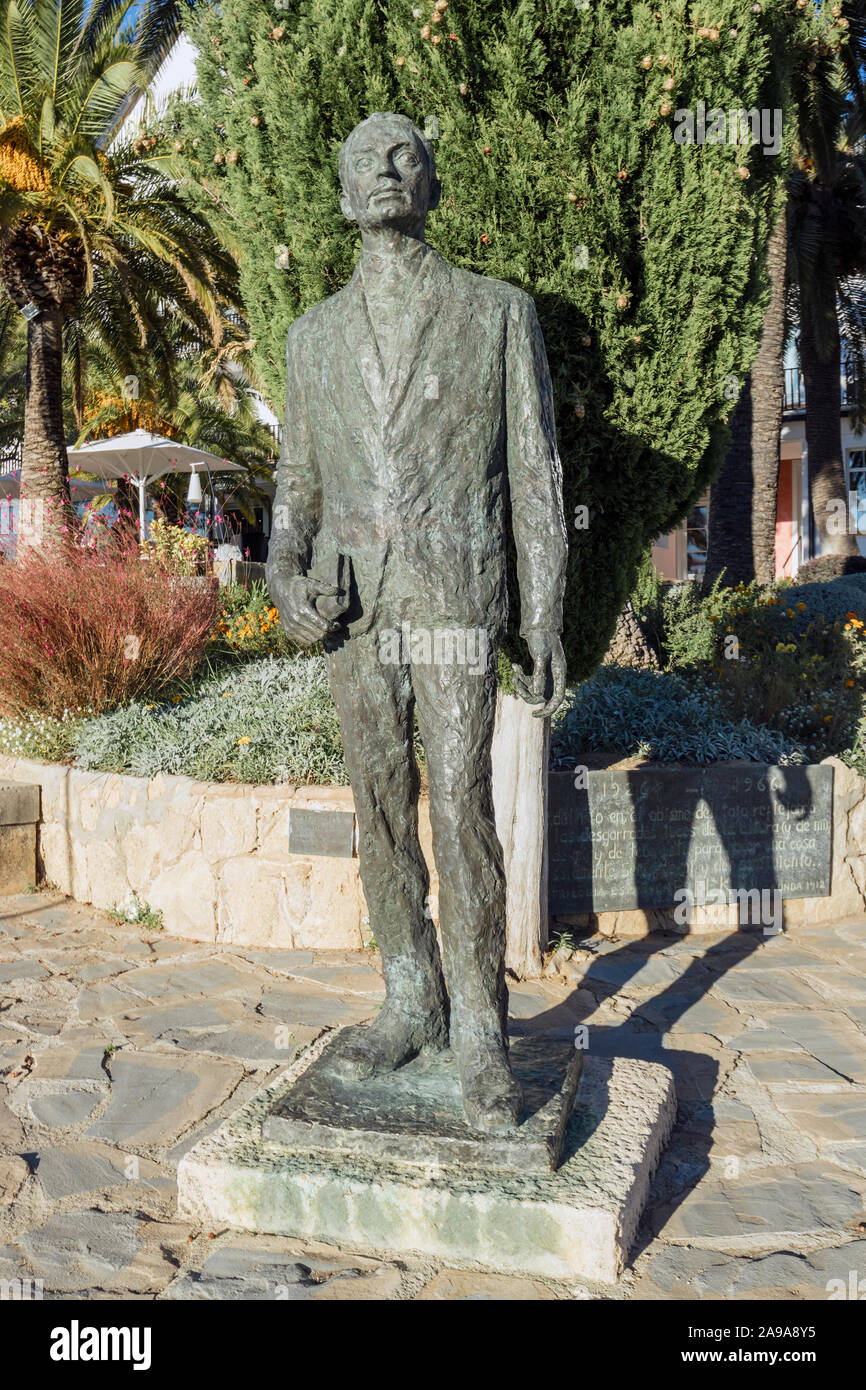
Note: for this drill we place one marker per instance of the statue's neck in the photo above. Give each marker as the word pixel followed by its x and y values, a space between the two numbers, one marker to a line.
pixel 389 245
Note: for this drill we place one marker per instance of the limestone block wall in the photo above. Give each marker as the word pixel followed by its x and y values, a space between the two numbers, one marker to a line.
pixel 212 857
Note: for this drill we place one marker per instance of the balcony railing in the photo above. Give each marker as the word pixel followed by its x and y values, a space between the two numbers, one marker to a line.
pixel 795 389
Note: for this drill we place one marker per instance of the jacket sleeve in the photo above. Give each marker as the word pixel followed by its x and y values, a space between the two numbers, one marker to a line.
pixel 298 500
pixel 534 473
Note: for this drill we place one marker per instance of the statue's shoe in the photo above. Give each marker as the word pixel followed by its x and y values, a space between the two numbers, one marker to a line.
pixel 492 1096
pixel 385 1044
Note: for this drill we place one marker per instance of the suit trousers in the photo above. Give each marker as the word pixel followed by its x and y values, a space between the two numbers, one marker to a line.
pixel 377 696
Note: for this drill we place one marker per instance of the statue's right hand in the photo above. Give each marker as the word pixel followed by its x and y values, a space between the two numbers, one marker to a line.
pixel 295 598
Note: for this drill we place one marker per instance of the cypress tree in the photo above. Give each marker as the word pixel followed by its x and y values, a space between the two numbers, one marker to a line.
pixel 555 125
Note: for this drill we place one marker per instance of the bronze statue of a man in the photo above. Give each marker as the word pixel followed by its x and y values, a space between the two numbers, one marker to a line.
pixel 419 429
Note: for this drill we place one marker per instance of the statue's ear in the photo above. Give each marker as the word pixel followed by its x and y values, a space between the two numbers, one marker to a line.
pixel 346 207
pixel 435 195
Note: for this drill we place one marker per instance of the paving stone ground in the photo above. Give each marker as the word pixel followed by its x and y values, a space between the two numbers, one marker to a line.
pixel 120 1048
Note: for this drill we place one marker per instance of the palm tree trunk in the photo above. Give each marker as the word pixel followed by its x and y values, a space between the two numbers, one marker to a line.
pixel 729 520
pixel 768 392
pixel 45 499
pixel 821 379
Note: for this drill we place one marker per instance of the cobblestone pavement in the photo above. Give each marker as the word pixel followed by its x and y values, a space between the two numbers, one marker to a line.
pixel 120 1047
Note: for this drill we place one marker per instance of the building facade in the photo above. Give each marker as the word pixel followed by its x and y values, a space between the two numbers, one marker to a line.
pixel 681 555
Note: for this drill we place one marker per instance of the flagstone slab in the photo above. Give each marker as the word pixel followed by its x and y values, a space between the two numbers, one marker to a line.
pixel 154 1098
pixel 11 970
pixel 264 1045
pixel 705 1274
pixel 639 971
pixel 103 969
pixel 315 1009
pixel 765 1209
pixel 827 1116
pixel 146 1024
pixel 164 982
pixel 64 1108
pixel 289 961
pixel 92 1168
pixel 103 1001
pixel 87 1250
pixel 788 1069
pixel 693 1012
pixel 830 1038
pixel 745 986
pixel 350 979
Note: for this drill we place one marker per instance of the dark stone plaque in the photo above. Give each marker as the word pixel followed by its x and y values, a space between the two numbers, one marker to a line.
pixel 415 1114
pixel 331 833
pixel 634 839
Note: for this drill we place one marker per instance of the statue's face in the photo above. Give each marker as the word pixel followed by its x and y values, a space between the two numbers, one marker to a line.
pixel 387 179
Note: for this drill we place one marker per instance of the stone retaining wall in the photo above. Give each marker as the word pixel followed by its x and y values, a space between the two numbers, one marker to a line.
pixel 213 858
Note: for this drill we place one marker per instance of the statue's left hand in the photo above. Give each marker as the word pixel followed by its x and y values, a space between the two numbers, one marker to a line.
pixel 548 670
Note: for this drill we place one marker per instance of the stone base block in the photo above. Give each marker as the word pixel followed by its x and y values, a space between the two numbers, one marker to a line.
pixel 17 858
pixel 574 1224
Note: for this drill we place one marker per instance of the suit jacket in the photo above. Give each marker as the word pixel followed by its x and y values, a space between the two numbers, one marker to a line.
pixel 414 474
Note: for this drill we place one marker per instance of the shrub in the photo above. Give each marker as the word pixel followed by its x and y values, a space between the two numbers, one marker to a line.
pixel 659 716
pixel 175 550
pixel 249 625
pixel 41 736
pixel 271 720
pixel 825 567
pixel 95 628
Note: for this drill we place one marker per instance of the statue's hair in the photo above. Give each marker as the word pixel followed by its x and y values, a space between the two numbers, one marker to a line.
pixel 396 119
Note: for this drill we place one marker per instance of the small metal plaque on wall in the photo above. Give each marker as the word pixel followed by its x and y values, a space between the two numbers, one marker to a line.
pixel 329 833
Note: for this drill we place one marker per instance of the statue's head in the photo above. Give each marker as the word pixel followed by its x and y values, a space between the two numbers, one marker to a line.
pixel 388 175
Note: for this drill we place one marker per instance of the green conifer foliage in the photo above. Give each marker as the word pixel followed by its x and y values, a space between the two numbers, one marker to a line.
pixel 554 125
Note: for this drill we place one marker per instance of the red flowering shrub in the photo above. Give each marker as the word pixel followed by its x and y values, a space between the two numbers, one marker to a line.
pixel 91 629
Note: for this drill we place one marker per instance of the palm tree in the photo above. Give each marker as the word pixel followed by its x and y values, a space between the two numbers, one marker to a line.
pixel 209 400
pixel 827 88
pixel 88 228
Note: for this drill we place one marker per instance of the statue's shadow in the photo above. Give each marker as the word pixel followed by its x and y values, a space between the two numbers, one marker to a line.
pixel 650 1033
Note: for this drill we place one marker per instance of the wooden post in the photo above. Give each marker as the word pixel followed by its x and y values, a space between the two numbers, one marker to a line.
pixel 521 745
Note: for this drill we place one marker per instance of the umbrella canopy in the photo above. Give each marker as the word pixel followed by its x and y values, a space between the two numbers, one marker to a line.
pixel 143 457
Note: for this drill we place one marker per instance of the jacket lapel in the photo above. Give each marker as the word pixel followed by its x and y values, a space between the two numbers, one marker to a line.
pixel 385 393
pixel 421 310
pixel 360 343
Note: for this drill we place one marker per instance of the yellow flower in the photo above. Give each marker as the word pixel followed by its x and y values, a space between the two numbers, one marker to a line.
pixel 801 607
pixel 827 718
pixel 176 699
pixel 244 739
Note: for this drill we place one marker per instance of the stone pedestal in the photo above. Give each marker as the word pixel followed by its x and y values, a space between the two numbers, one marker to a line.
pixel 576 1223
pixel 19 817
